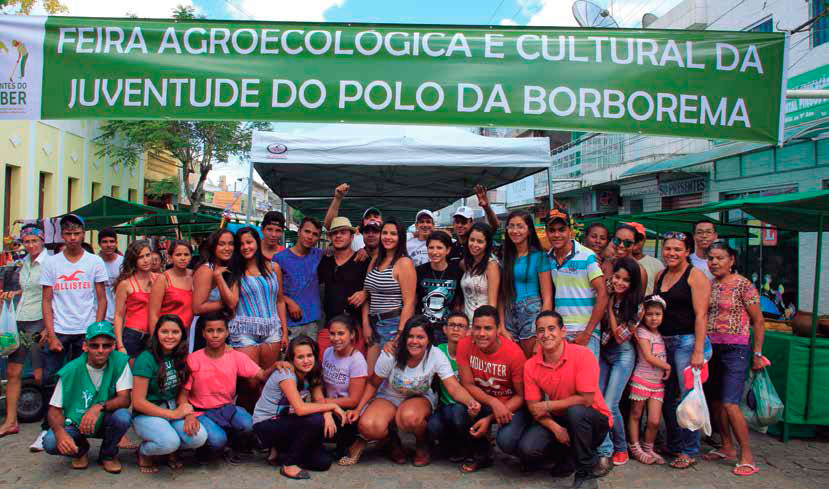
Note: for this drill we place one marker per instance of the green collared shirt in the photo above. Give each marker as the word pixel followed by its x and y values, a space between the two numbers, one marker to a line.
pixel 29 308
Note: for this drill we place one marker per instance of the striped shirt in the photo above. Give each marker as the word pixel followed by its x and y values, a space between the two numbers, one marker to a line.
pixel 575 296
pixel 256 310
pixel 383 290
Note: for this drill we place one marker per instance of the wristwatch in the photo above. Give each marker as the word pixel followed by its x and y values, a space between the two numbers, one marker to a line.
pixel 758 354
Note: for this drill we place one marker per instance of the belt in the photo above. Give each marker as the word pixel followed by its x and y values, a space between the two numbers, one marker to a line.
pixel 386 315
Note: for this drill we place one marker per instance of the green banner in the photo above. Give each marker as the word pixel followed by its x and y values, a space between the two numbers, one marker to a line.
pixel 662 82
pixel 803 110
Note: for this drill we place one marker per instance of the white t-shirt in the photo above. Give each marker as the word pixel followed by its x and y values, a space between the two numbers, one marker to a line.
pixel 113 269
pixel 123 383
pixel 73 290
pixel 417 250
pixel 410 382
pixel 358 243
pixel 702 264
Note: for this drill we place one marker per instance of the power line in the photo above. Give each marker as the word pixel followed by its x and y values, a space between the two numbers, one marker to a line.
pixel 491 17
pixel 725 13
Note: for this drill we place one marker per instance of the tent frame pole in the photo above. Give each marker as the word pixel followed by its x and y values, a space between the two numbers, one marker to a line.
pixel 815 311
pixel 250 192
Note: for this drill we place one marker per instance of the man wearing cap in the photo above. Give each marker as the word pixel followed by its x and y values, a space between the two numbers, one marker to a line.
pixel 341 276
pixel 273 230
pixel 372 218
pixel 651 265
pixel 416 245
pixel 581 296
pixel 91 400
pixel 73 296
pixel 462 221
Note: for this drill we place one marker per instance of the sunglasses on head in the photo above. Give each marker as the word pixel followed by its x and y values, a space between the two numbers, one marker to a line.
pixel 675 235
pixel 624 243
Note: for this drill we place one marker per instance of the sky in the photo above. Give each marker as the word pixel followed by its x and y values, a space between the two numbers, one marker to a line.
pixel 627 13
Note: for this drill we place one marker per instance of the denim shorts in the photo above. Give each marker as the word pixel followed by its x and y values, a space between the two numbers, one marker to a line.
pixel 520 318
pixel 31 329
pixel 384 330
pixel 242 340
pixel 727 373
pixel 134 341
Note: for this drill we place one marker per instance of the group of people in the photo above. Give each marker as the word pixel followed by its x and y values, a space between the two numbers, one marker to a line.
pixel 378 334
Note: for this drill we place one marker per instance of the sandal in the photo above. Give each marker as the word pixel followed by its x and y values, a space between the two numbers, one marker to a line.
pixel 714 455
pixel 11 430
pixel 683 462
pixel 422 457
pixel 301 475
pixel 745 469
pixel 146 468
pixel 641 455
pixel 174 463
pixel 80 463
pixel 354 457
pixel 474 465
pixel 648 449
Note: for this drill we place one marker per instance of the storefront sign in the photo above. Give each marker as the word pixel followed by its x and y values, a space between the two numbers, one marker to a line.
pixel 799 110
pixel 769 235
pixel 682 187
pixel 662 82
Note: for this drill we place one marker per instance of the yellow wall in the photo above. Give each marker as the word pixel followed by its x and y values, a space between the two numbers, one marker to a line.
pixel 60 150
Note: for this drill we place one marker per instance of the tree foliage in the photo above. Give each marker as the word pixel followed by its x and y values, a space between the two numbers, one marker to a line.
pixel 25 6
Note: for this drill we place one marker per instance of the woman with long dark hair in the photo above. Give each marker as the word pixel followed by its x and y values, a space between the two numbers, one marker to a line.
pixel 686 291
pixel 132 299
pixel 526 283
pixel 258 329
pixel 618 354
pixel 438 283
pixel 174 294
pixel 158 374
pixel 625 237
pixel 391 283
pixel 482 272
pixel 215 286
pixel 733 311
pixel 399 392
pixel 292 415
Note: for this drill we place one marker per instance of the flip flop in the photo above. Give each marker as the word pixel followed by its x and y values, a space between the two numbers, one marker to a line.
pixel 715 455
pixel 683 462
pixel 474 465
pixel 739 470
pixel 352 460
pixel 12 430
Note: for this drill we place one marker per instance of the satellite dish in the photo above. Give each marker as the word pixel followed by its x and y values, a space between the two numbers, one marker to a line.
pixel 648 19
pixel 588 14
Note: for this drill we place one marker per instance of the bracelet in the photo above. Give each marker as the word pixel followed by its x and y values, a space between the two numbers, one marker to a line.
pixel 758 354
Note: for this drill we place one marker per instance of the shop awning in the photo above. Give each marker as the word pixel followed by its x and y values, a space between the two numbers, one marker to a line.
pixel 809 129
pixel 398 169
pixel 109 211
pixel 802 211
pixel 166 223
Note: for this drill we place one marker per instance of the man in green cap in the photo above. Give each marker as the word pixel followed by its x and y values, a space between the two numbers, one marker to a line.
pixel 91 400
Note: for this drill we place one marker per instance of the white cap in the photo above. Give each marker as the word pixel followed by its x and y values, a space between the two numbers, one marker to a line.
pixel 426 212
pixel 465 212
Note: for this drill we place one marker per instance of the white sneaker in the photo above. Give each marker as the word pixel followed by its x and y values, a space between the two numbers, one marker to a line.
pixel 37 446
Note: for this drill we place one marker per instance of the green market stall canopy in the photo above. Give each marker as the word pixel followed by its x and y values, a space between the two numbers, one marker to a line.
pixel 109 211
pixel 398 169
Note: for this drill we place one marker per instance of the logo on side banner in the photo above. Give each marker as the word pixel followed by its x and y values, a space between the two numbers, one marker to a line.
pixel 277 148
pixel 14 56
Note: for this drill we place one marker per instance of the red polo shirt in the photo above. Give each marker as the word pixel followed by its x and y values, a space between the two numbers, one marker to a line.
pixel 577 371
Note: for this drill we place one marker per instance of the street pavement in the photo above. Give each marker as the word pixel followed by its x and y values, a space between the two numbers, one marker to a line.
pixel 795 465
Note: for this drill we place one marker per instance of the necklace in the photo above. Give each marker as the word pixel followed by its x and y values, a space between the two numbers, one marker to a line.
pixel 434 276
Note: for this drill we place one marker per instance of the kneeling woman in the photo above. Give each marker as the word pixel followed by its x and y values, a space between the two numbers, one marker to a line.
pixel 404 395
pixel 286 419
pixel 157 377
pixel 212 374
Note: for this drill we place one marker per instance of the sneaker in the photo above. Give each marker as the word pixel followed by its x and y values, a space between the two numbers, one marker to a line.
pixel 37 446
pixel 620 458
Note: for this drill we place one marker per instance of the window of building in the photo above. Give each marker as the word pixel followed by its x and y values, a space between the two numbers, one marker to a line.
pixel 764 26
pixel 96 191
pixel 11 197
pixel 132 195
pixel 72 196
pixel 44 202
pixel 116 192
pixel 819 33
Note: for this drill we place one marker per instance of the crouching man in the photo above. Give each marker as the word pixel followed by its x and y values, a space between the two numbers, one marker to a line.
pixel 574 420
pixel 90 401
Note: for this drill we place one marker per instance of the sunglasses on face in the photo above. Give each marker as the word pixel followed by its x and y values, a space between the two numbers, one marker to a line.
pixel 673 235
pixel 624 243
pixel 100 346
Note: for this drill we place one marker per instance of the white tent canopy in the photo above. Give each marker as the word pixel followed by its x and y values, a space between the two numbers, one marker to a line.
pixel 398 169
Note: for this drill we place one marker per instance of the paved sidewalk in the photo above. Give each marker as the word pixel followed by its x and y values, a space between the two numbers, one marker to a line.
pixel 798 464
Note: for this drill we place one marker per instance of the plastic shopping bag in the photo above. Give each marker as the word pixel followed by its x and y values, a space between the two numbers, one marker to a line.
pixel 9 338
pixel 692 412
pixel 769 407
pixel 748 405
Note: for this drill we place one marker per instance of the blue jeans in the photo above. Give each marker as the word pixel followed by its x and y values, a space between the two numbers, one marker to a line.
pixel 586 427
pixel 520 318
pixel 217 437
pixel 594 343
pixel 679 349
pixel 163 436
pixel 509 436
pixel 615 366
pixel 383 330
pixel 114 425
pixel 449 424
